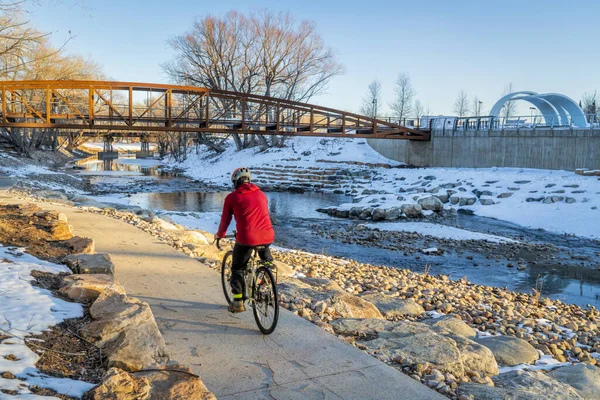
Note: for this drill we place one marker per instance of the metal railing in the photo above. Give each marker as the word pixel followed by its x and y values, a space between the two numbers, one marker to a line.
pixel 492 123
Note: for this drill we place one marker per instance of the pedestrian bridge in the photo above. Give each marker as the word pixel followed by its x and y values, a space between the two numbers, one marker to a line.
pixel 136 109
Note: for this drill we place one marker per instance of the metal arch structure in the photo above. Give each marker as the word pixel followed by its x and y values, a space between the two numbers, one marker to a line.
pixel 135 109
pixel 553 106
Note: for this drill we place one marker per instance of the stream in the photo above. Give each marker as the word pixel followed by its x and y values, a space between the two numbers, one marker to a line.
pixel 571 273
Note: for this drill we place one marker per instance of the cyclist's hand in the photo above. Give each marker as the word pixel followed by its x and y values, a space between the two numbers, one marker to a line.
pixel 218 243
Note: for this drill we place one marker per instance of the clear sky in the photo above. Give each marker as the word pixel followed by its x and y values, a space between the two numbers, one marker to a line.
pixel 445 46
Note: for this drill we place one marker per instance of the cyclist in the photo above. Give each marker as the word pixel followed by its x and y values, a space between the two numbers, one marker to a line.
pixel 249 206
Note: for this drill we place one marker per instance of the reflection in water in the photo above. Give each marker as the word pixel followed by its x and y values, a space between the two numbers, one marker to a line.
pixel 121 164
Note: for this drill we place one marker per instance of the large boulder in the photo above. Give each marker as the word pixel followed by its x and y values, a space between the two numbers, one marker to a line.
pixel 583 377
pixel 120 385
pixel 392 307
pixel 431 203
pixel 90 264
pixel 392 214
pixel 85 288
pixel 510 351
pixel 378 214
pixel 80 245
pixel 412 210
pixel 343 304
pixel 126 330
pixel 453 325
pixel 475 357
pixel 164 225
pixel 175 382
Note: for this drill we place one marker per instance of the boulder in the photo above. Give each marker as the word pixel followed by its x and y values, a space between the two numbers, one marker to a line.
pixel 431 203
pixel 583 377
pixel 126 330
pixel 90 264
pixel 504 195
pixel 570 200
pixel 486 201
pixel 536 382
pixel 444 197
pixel 355 212
pixel 452 325
pixel 365 213
pixel 425 346
pixel 163 225
pixel 552 199
pixel 365 328
pixel 344 305
pixel 283 269
pixel 510 351
pixel 394 307
pixel 60 230
pixel 80 245
pixel 378 214
pixel 475 357
pixel 193 237
pixel 175 382
pixel 411 210
pixel 87 287
pixel 392 214
pixel 120 385
pixel 463 200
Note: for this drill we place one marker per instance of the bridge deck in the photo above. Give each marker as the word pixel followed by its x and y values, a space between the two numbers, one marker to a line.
pixel 99 107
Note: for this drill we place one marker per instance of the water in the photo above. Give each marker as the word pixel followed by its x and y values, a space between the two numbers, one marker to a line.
pixel 294 216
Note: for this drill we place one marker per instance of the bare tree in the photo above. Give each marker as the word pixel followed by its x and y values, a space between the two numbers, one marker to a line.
pixel 261 53
pixel 477 107
pixel 510 107
pixel 372 100
pixel 589 105
pixel 419 109
pixel 461 104
pixel 402 105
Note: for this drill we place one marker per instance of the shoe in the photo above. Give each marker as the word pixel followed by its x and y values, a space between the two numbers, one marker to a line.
pixel 236 306
pixel 270 265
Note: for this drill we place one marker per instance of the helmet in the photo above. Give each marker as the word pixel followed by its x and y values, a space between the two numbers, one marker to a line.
pixel 240 173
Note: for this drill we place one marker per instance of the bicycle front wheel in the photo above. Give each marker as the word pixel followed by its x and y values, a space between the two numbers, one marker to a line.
pixel 266 301
pixel 226 276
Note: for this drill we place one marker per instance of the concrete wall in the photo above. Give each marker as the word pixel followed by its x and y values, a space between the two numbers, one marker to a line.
pixel 558 149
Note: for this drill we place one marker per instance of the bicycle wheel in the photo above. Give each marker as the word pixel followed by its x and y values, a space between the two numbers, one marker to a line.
pixel 266 301
pixel 226 276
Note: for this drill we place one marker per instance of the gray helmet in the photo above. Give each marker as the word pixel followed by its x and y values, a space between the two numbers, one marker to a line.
pixel 240 173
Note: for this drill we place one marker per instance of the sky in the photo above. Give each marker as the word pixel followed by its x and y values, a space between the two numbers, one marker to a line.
pixel 444 46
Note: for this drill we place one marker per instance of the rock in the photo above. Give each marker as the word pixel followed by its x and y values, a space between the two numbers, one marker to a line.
pixel 452 325
pixel 570 200
pixel 411 210
pixel 463 200
pixel 510 351
pixel 394 307
pixel 164 225
pixel 444 197
pixel 172 384
pixel 475 357
pixel 392 214
pixel 552 199
pixel 504 195
pixel 90 264
pixel 360 327
pixel 345 305
pixel 378 214
pixel 365 213
pixel 120 385
pixel 584 378
pixel 193 237
pixel 355 212
pixel 486 201
pixel 80 245
pixel 536 382
pixel 431 203
pixel 60 230
pixel 87 287
pixel 283 269
pixel 126 330
pixel 413 343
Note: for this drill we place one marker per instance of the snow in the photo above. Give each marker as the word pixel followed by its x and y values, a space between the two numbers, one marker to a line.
pixel 27 170
pixel 434 314
pixel 559 217
pixel 545 362
pixel 26 310
pixel 438 231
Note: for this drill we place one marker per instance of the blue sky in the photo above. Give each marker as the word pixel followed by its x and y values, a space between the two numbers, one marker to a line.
pixel 445 46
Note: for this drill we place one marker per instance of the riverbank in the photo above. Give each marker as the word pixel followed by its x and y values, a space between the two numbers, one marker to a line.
pixel 456 315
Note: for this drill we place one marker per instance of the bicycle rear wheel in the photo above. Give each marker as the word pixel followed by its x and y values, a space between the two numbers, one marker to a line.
pixel 226 276
pixel 266 301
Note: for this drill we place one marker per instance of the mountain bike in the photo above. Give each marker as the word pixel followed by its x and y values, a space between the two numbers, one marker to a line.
pixel 260 289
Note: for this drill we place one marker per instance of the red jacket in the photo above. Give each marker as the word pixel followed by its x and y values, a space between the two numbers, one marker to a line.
pixel 248 204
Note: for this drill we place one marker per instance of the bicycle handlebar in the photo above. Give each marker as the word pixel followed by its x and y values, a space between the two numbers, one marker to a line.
pixel 218 240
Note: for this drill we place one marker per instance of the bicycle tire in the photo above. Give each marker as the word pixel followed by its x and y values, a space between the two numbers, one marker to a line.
pixel 226 275
pixel 267 299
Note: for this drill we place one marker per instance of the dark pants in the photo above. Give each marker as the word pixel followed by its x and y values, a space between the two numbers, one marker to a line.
pixel 241 256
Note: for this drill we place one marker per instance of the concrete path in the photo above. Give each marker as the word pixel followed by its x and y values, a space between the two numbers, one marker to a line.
pixel 298 361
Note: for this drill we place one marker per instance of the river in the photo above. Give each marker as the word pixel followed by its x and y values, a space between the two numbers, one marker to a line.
pixel 571 274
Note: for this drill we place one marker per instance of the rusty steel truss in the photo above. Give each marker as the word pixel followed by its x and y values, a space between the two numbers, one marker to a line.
pixel 99 107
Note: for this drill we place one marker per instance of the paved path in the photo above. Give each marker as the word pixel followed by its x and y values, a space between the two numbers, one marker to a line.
pixel 298 361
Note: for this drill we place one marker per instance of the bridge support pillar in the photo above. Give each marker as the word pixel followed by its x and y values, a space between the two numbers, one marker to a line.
pixel 145 148
pixel 108 155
